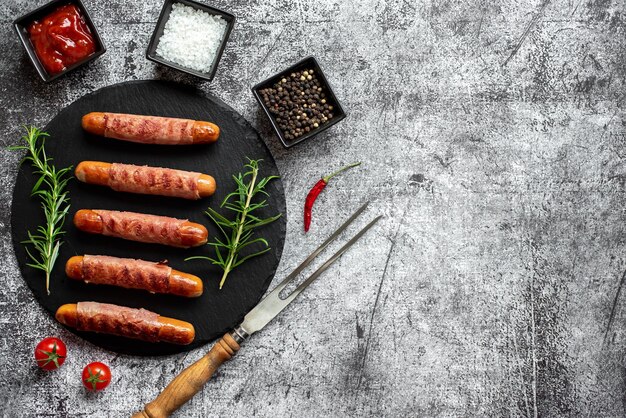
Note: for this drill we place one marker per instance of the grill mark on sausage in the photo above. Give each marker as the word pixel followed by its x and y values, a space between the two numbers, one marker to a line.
pixel 154 180
pixel 118 320
pixel 142 227
pixel 126 272
pixel 148 129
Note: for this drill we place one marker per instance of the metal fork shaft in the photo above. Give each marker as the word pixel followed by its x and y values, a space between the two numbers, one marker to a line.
pixel 279 288
pixel 330 261
pixel 272 304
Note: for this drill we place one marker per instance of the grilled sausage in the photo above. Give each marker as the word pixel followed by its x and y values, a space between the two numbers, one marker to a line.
pixel 146 180
pixel 126 322
pixel 141 227
pixel 150 129
pixel 133 274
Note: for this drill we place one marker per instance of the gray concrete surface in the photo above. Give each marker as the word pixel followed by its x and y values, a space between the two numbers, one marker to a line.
pixel 493 141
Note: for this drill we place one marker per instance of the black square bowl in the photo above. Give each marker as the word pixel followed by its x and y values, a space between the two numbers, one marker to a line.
pixel 305 64
pixel 21 27
pixel 158 32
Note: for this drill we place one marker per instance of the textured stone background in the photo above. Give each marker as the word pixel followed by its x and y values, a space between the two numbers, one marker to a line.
pixel 493 141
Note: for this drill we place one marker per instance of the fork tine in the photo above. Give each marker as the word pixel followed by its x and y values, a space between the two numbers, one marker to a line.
pixel 279 288
pixel 272 304
pixel 329 262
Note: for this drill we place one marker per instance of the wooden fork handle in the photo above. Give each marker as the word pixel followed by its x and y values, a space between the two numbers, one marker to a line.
pixel 190 381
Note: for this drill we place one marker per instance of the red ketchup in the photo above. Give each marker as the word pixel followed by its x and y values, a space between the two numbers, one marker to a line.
pixel 61 39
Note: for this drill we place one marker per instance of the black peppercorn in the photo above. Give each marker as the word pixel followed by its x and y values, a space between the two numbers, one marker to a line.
pixel 298 102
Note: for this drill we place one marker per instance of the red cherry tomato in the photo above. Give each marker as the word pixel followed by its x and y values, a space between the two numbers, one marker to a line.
pixel 96 376
pixel 50 353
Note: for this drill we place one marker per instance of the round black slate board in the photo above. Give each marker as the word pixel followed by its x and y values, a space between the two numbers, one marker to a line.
pixel 216 311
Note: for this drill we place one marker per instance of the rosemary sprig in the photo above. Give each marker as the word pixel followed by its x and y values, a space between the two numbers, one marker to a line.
pixel 50 187
pixel 239 233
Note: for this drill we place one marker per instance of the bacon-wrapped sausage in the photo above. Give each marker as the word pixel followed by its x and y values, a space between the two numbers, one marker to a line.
pixel 150 129
pixel 142 227
pixel 133 274
pixel 146 180
pixel 139 324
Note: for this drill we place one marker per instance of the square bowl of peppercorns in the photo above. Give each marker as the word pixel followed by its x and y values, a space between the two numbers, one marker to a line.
pixel 299 102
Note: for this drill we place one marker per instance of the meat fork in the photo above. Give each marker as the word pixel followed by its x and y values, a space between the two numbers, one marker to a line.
pixel 191 380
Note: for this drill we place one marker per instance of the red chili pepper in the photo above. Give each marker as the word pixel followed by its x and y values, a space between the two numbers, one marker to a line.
pixel 315 191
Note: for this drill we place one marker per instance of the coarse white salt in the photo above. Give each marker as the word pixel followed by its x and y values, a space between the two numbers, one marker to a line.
pixel 191 37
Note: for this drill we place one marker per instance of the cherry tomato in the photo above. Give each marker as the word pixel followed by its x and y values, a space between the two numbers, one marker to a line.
pixel 96 376
pixel 50 353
